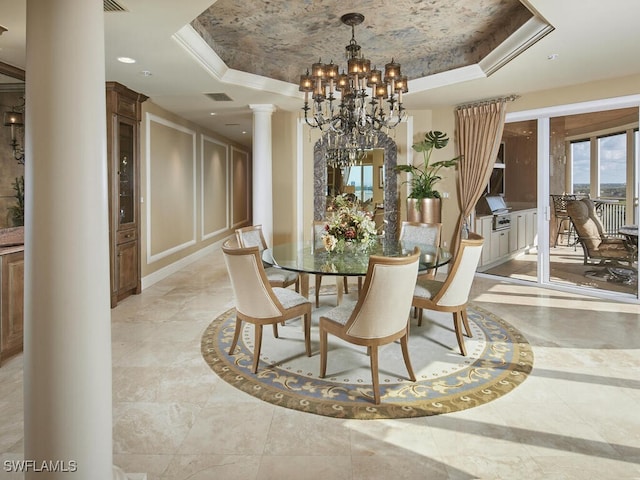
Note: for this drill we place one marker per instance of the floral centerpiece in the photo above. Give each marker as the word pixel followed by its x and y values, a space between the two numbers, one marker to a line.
pixel 348 226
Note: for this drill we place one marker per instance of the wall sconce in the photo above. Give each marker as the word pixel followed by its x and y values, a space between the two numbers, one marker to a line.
pixel 15 120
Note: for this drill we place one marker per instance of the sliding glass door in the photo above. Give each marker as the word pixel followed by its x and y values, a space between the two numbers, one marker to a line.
pixel 560 155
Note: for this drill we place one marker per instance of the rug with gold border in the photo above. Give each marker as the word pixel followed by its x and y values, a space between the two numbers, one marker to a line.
pixel 499 359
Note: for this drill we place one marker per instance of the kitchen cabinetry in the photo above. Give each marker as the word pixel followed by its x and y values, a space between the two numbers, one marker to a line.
pixel 123 156
pixel 500 246
pixel 11 301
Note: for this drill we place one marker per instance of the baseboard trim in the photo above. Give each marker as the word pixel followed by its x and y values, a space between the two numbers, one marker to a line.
pixel 164 272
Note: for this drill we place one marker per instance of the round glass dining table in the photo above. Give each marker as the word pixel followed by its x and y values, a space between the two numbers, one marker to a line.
pixel 307 258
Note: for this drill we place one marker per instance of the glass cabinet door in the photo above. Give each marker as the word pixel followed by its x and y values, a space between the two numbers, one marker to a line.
pixel 126 183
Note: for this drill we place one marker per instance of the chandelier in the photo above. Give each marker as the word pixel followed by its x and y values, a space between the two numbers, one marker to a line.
pixel 347 150
pixel 356 103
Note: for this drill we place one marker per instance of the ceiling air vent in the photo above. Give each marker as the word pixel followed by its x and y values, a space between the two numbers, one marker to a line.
pixel 219 97
pixel 112 6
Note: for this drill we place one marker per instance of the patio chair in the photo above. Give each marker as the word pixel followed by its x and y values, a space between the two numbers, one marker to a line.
pixel 258 302
pixel 559 203
pixel 452 295
pixel 380 316
pixel 596 245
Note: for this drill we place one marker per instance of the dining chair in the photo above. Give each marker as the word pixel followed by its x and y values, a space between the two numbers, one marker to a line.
pixel 259 303
pixel 317 231
pixel 452 294
pixel 252 236
pixel 412 233
pixel 380 316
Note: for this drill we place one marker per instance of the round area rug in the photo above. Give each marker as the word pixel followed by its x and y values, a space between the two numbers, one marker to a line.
pixel 498 359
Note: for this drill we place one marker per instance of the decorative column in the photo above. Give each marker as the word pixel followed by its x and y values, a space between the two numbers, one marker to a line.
pixel 262 170
pixel 67 337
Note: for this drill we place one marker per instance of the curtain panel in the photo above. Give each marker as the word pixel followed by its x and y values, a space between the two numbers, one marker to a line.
pixel 479 132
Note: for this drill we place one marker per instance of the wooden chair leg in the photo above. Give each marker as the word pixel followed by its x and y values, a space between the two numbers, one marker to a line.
pixel 374 374
pixel 405 354
pixel 465 321
pixel 236 336
pixel 346 284
pixel 256 348
pixel 307 332
pixel 458 328
pixel 275 329
pixel 318 283
pixel 419 317
pixel 323 352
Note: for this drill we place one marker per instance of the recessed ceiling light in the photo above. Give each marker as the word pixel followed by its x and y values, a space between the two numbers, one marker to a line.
pixel 212 113
pixel 553 56
pixel 126 60
pixel 244 132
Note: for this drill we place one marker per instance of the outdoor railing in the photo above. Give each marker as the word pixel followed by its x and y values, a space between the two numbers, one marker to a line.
pixel 613 216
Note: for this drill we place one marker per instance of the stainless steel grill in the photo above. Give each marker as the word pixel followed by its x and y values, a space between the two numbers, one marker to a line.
pixel 500 211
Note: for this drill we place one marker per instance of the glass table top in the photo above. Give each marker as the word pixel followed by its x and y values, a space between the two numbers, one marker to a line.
pixel 305 258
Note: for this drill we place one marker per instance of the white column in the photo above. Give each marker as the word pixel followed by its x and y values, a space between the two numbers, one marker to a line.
pixel 262 169
pixel 67 344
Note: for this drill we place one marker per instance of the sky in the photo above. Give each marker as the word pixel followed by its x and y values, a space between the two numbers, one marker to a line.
pixel 613 161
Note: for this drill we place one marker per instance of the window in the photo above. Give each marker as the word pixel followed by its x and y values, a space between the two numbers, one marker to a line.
pixel 581 167
pixel 361 177
pixel 612 155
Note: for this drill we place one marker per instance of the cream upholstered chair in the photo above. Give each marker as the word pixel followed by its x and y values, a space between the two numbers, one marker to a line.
pixel 596 245
pixel 412 233
pixel 452 295
pixel 317 231
pixel 258 302
pixel 252 236
pixel 380 316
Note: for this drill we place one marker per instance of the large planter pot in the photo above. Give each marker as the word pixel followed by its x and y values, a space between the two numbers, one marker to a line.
pixel 424 210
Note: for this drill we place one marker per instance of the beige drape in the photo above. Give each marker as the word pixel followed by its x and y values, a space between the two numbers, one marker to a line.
pixel 479 132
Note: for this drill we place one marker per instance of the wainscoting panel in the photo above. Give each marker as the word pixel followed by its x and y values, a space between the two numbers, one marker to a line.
pixel 215 205
pixel 171 187
pixel 240 190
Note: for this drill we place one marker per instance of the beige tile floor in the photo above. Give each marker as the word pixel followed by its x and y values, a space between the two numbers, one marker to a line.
pixel 576 417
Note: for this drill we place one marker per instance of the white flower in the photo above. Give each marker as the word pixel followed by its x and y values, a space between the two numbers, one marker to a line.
pixel 329 242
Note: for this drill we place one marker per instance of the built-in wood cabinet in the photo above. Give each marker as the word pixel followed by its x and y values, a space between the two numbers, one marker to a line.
pixel 11 301
pixel 123 156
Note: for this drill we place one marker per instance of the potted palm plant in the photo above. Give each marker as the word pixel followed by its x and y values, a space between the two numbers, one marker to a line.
pixel 423 202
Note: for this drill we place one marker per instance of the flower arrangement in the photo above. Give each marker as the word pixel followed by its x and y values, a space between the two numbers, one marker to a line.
pixel 348 226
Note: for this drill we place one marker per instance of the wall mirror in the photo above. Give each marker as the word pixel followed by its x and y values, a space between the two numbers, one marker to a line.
pixel 12 92
pixel 374 183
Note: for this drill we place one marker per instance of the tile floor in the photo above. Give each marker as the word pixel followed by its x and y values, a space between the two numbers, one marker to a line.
pixel 576 417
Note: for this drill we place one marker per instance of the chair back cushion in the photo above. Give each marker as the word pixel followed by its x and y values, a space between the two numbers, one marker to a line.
pixel 251 237
pixel 591 208
pixel 253 294
pixel 457 286
pixel 425 233
pixel 585 226
pixel 385 301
